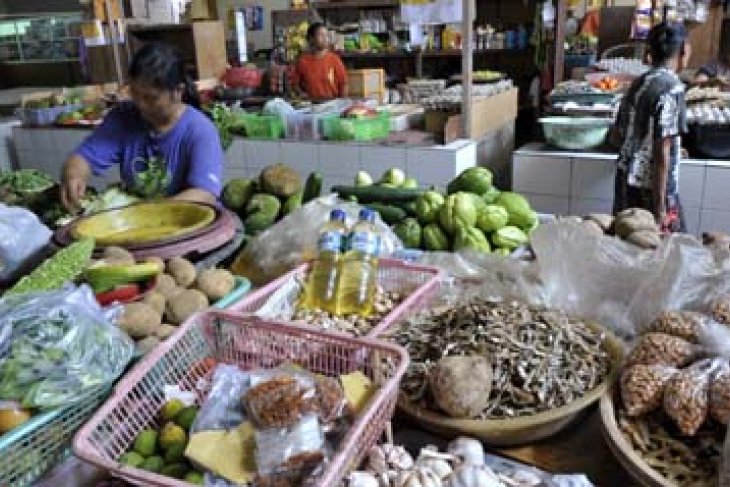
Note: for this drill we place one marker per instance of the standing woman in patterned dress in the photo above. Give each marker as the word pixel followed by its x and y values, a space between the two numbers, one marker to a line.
pixel 651 118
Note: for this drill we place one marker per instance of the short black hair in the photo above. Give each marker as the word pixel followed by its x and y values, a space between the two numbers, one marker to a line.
pixel 666 40
pixel 162 66
pixel 312 31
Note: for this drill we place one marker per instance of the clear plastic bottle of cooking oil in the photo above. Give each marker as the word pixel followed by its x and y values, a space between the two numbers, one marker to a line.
pixel 359 274
pixel 321 289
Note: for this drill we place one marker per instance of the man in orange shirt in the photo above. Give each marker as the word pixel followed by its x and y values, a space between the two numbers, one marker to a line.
pixel 320 73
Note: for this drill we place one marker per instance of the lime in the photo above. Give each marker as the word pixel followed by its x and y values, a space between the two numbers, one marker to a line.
pixel 170 409
pixel 153 464
pixel 131 459
pixel 175 470
pixel 186 417
pixel 146 443
pixel 175 453
pixel 172 435
pixel 195 478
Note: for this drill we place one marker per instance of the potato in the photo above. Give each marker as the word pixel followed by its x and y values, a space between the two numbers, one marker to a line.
pixel 634 220
pixel 165 331
pixel 139 320
pixel 461 385
pixel 186 304
pixel 156 300
pixel 604 221
pixel 166 285
pixel 148 344
pixel 215 283
pixel 118 256
pixel 182 271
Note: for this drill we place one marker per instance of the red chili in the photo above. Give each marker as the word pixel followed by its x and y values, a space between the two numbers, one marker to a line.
pixel 120 294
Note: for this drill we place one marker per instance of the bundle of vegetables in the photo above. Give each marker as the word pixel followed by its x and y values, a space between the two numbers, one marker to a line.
pixel 277 192
pixel 24 187
pixel 472 215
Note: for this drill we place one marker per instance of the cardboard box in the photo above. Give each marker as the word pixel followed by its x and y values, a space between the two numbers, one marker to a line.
pixel 488 114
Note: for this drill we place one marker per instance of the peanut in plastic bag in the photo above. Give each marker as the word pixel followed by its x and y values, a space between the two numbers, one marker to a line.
pixel 686 398
pixel 293 451
pixel 643 386
pixel 662 349
pixel 683 324
pixel 280 398
pixel 720 394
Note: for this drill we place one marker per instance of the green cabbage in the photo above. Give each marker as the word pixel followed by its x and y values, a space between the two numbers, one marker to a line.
pixel 509 238
pixel 471 238
pixel 492 218
pixel 428 206
pixel 434 238
pixel 409 232
pixel 458 211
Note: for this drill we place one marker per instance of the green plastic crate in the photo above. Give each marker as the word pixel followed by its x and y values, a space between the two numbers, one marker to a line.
pixel 262 126
pixel 338 128
pixel 33 448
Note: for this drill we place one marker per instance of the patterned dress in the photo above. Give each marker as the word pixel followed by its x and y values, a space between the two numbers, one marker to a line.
pixel 653 109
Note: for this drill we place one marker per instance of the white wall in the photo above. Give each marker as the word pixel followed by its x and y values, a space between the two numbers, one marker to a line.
pixel 260 39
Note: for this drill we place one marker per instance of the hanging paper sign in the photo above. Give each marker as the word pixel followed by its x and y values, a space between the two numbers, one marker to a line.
pixel 434 12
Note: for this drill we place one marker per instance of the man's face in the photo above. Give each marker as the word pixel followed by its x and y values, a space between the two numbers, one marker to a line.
pixel 320 41
pixel 156 106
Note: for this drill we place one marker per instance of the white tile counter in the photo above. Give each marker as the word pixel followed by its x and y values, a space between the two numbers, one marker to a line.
pixel 47 148
pixel 577 183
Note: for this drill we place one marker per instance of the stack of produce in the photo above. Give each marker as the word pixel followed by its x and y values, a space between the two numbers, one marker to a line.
pixel 22 187
pixel 463 465
pixel 277 192
pixel 473 215
pixel 178 293
pixel 675 396
pixel 490 360
pixel 635 225
pixel 162 449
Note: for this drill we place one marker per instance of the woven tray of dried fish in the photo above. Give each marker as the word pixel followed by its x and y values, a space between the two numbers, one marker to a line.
pixel 547 367
pixel 651 449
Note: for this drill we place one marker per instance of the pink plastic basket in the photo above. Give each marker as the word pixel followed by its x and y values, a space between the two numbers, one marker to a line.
pixel 214 337
pixel 392 275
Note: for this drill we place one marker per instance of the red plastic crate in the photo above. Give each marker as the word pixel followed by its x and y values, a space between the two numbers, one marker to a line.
pixel 214 337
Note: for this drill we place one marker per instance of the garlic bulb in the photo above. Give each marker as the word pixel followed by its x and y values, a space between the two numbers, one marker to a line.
pixel 437 462
pixel 363 479
pixel 469 475
pixel 418 477
pixel 385 458
pixel 468 450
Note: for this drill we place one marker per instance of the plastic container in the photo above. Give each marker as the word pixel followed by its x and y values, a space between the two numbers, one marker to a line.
pixel 214 337
pixel 321 291
pixel 392 275
pixel 359 268
pixel 262 126
pixel 575 133
pixel 243 286
pixel 35 447
pixel 38 117
pixel 337 128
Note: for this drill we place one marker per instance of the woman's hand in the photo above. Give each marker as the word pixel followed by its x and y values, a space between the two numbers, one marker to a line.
pixel 75 178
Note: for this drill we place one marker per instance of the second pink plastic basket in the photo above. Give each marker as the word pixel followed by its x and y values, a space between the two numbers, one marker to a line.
pixel 392 275
pixel 214 337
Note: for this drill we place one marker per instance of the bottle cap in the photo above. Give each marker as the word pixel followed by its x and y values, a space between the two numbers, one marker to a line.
pixel 368 215
pixel 338 215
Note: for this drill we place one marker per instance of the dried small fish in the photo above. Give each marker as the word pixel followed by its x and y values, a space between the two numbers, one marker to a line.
pixel 542 359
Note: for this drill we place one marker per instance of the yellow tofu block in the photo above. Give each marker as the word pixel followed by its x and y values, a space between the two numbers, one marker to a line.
pixel 229 454
pixel 358 390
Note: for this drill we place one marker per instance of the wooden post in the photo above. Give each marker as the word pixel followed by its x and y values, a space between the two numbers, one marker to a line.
pixel 111 22
pixel 560 18
pixel 467 66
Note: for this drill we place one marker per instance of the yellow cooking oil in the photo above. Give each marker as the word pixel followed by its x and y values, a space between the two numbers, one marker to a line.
pixel 359 274
pixel 320 292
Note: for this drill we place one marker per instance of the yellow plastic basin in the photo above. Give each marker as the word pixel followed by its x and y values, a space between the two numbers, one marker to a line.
pixel 144 223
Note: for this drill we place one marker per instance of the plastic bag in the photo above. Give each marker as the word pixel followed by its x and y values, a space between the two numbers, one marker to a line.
pixel 294 240
pixel 22 239
pixel 686 398
pixel 57 346
pixel 222 407
pixel 293 451
pixel 720 394
pixel 642 387
pixel 662 349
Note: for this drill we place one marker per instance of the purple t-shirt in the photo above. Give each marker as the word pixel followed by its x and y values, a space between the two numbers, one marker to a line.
pixel 191 149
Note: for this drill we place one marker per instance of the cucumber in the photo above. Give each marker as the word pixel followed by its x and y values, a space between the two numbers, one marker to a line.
pixel 378 194
pixel 409 208
pixel 391 215
pixel 312 188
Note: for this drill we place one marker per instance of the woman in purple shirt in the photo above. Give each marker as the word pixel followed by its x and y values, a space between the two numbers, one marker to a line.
pixel 163 145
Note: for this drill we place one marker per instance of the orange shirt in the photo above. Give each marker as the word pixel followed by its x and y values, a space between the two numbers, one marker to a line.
pixel 321 77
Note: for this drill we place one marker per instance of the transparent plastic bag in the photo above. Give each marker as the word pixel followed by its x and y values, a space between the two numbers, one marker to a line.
pixel 294 240
pixel 222 409
pixel 686 397
pixel 642 387
pixel 720 394
pixel 22 238
pixel 55 347
pixel 296 450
